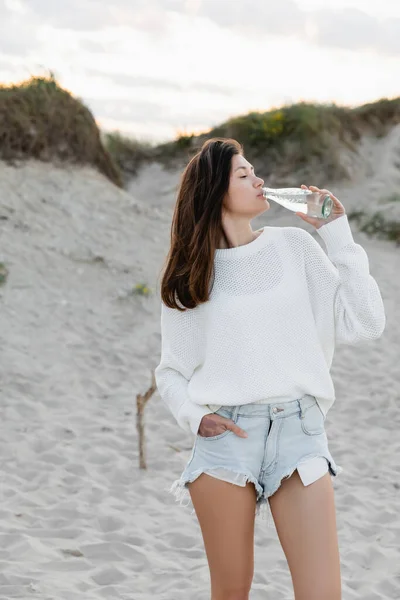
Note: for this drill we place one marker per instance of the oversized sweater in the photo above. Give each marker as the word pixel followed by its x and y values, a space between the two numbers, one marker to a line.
pixel 278 306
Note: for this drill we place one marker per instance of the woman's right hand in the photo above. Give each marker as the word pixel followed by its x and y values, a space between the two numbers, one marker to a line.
pixel 213 424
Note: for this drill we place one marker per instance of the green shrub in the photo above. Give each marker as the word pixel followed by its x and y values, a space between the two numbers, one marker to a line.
pixel 379 115
pixel 258 130
pixel 184 141
pixel 39 119
pixel 303 141
pixel 376 224
pixel 128 153
pixel 141 289
pixel 3 273
pixel 395 197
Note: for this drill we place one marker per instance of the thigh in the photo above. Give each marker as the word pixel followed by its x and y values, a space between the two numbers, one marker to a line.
pixel 305 520
pixel 226 514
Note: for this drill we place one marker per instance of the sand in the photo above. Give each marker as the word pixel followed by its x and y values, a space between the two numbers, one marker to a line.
pixel 78 518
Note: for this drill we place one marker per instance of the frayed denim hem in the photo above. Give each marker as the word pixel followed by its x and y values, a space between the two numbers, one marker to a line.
pixel 180 490
pixel 334 471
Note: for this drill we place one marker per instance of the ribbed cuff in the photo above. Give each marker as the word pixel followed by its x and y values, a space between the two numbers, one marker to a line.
pixel 336 234
pixel 192 413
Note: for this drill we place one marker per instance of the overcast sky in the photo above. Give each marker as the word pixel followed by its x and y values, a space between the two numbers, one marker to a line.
pixel 156 68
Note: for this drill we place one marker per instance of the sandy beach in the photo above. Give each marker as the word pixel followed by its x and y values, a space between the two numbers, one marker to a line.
pixel 78 518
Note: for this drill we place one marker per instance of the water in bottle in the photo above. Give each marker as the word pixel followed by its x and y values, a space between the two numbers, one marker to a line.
pixel 312 204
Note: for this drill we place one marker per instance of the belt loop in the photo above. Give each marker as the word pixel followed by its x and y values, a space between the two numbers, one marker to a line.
pixel 235 412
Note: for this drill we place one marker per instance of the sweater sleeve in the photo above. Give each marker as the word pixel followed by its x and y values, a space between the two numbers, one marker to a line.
pixel 341 280
pixel 181 344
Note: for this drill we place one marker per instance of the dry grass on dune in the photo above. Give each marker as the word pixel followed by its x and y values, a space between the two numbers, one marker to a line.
pixel 304 141
pixel 39 119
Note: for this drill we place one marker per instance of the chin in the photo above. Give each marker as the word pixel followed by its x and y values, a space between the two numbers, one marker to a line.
pixel 265 208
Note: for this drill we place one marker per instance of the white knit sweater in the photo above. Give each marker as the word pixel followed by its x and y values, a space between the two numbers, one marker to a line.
pixel 278 306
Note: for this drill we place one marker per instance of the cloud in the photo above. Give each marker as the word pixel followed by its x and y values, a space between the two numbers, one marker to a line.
pixel 151 112
pixel 72 14
pixel 390 36
pixel 95 47
pixel 137 81
pixel 126 80
pixel 154 113
pixel 94 15
pixel 350 28
pixel 347 28
pixel 251 16
pixel 355 30
pixel 254 17
pixel 127 110
pixel 17 36
pixel 5 65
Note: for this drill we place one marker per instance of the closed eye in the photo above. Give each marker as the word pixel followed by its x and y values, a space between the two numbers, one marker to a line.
pixel 252 168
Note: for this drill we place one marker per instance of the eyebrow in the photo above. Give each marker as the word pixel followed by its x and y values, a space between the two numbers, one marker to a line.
pixel 243 168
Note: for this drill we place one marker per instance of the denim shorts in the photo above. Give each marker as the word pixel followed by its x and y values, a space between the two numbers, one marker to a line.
pixel 282 437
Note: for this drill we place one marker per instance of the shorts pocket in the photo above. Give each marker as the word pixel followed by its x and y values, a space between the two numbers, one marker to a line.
pixel 313 420
pixel 228 413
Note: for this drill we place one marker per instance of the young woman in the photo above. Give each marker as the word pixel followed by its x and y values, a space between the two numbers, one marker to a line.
pixel 249 322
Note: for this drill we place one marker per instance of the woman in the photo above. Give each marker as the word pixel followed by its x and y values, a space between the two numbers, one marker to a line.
pixel 249 321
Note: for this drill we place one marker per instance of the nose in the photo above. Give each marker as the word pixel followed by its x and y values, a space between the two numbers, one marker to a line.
pixel 260 182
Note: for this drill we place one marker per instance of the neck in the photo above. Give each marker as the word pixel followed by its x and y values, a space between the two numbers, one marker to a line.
pixel 239 240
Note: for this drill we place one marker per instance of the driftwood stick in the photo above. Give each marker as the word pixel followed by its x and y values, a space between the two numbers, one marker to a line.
pixel 141 401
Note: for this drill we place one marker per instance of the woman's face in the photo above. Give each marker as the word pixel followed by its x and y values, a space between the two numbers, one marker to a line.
pixel 243 197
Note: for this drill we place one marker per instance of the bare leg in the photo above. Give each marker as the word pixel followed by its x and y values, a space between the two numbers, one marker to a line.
pixel 226 514
pixel 305 521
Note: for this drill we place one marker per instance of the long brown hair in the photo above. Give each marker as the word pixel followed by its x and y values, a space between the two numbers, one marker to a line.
pixel 196 228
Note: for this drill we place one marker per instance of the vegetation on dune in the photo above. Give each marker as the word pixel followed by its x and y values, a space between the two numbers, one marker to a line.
pixel 377 224
pixel 3 273
pixel 39 119
pixel 128 153
pixel 381 223
pixel 303 141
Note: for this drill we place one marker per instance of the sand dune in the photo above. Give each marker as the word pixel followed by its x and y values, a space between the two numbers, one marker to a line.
pixel 78 518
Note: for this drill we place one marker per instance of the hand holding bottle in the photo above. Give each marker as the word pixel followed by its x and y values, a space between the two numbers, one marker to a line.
pixel 338 209
pixel 306 201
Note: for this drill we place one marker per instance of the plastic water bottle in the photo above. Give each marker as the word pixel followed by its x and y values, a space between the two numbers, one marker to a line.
pixel 312 204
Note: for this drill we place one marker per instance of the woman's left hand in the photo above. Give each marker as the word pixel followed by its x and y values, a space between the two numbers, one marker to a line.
pixel 338 209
